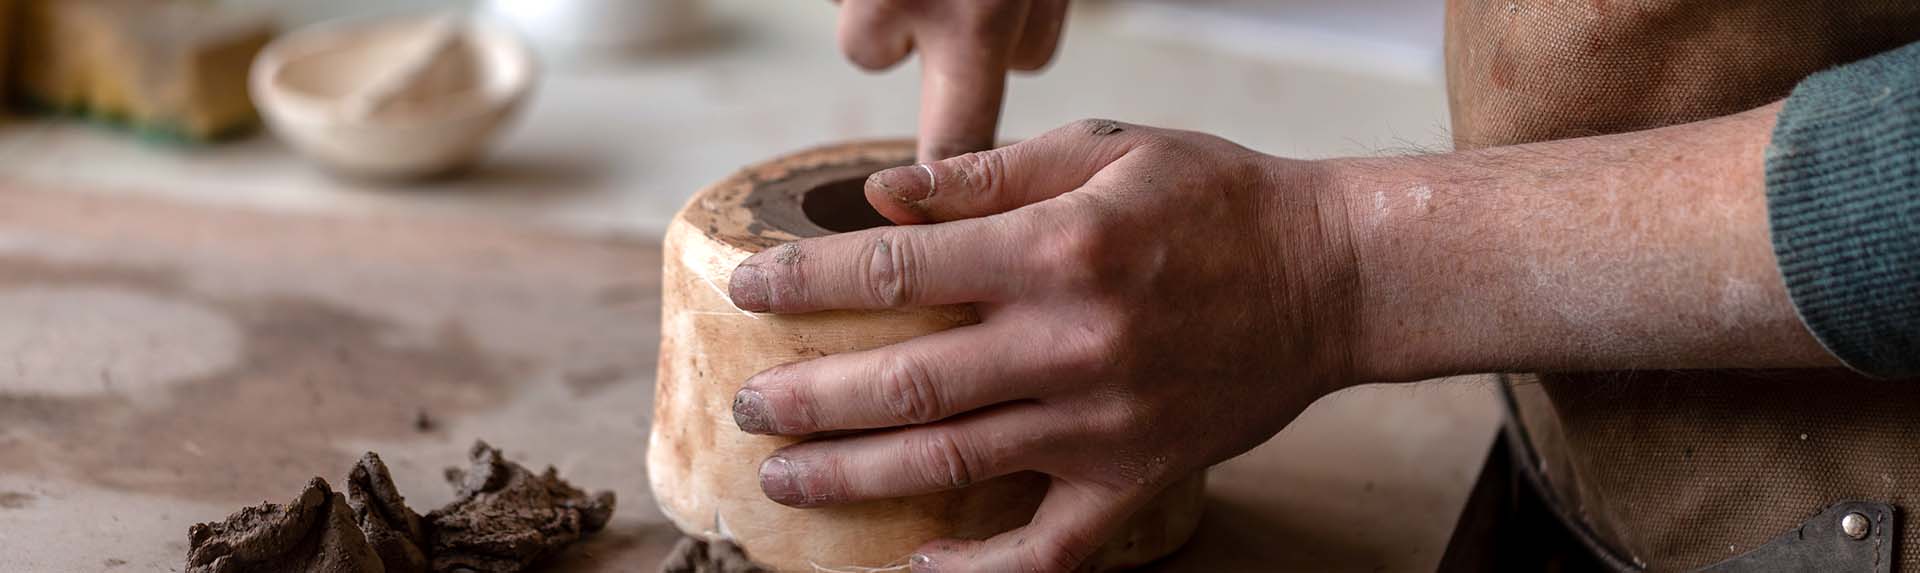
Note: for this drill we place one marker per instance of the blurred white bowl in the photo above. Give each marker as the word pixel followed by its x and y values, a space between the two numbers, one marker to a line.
pixel 310 86
pixel 588 30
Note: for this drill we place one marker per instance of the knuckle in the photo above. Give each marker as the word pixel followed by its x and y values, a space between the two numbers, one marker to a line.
pixel 1110 418
pixel 1077 248
pixel 891 266
pixel 787 279
pixel 1093 347
pixel 982 174
pixel 949 463
pixel 908 392
pixel 1174 150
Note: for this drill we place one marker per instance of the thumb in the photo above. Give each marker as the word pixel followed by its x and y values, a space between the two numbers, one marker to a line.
pixel 1071 524
pixel 1000 180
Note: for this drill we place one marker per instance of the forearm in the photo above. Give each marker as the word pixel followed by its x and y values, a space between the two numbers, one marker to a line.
pixel 1632 251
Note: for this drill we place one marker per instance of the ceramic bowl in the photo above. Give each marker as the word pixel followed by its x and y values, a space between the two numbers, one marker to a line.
pixel 300 81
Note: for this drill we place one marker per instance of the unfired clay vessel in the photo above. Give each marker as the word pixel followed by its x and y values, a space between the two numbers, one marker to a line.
pixel 705 470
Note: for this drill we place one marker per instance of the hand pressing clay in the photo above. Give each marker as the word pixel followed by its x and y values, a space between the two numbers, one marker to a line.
pixel 704 470
pixel 505 519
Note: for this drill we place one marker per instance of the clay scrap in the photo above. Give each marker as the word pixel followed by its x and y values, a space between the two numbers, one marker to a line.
pixel 695 556
pixel 505 519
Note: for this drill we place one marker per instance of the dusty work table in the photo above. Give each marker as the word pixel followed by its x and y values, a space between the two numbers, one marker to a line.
pixel 183 332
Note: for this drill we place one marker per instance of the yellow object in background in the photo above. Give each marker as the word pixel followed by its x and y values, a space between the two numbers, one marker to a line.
pixel 176 70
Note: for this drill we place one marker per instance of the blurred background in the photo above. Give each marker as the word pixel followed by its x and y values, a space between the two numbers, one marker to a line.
pixel 619 141
pixel 197 312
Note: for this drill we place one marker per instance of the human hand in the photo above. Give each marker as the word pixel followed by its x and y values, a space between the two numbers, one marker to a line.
pixel 967 48
pixel 1152 302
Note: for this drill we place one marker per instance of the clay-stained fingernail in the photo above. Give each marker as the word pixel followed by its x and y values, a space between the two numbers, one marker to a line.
pixel 750 412
pixel 748 288
pixel 779 482
pixel 922 563
pixel 910 184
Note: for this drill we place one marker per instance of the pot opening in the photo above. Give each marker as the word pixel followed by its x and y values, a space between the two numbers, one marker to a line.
pixel 841 206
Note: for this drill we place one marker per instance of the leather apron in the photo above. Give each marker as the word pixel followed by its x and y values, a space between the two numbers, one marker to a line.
pixel 1685 470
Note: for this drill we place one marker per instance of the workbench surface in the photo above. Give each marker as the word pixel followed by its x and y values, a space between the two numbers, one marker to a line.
pixel 187 331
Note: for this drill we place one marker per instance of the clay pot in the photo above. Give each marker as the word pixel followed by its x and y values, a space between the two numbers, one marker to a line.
pixel 312 86
pixel 704 470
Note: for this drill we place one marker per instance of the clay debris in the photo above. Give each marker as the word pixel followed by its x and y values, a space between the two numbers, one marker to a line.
pixel 505 519
pixel 695 556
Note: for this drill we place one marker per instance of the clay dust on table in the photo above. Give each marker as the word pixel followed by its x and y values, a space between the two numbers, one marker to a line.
pixel 504 519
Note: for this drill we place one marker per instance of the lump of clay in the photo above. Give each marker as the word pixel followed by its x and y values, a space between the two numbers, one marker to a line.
pixel 390 526
pixel 507 517
pixel 695 556
pixel 314 532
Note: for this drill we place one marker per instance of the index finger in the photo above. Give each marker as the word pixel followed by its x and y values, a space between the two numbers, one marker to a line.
pixel 960 96
pixel 975 260
pixel 965 49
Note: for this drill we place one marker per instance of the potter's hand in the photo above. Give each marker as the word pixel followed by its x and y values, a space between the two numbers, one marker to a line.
pixel 967 47
pixel 1152 302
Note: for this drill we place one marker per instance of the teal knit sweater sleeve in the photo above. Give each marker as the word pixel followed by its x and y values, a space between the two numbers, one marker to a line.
pixel 1843 199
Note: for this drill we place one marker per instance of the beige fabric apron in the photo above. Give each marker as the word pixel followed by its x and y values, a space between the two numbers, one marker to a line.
pixel 1679 470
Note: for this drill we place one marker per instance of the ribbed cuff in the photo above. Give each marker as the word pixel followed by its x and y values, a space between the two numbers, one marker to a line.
pixel 1843 198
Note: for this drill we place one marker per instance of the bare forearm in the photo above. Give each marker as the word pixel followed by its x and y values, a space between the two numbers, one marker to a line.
pixel 1639 250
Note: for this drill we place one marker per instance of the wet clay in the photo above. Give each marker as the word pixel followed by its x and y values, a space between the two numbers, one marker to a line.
pixel 393 530
pixel 315 532
pixel 695 556
pixel 505 519
pixel 766 205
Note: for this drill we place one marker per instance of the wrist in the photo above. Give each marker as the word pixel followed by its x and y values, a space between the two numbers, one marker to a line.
pixel 1390 204
pixel 1312 261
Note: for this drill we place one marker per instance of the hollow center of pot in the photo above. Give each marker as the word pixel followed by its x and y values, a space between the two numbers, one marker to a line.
pixel 841 206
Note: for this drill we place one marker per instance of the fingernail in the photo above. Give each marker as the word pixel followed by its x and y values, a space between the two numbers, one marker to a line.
pixel 748 288
pixel 778 481
pixel 909 184
pixel 922 563
pixel 750 412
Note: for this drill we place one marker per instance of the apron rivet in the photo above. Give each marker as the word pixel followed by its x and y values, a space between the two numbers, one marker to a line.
pixel 1855 525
